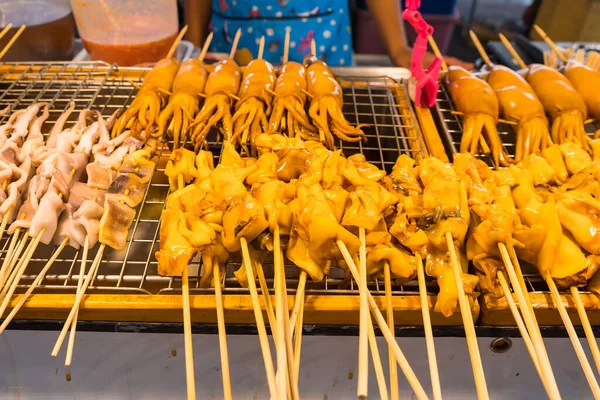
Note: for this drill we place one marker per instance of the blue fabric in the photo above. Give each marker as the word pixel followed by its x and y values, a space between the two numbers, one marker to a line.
pixel 328 22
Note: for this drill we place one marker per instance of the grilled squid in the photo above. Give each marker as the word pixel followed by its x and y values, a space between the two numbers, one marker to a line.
pixel 143 113
pixel 326 104
pixel 476 100
pixel 222 85
pixel 587 83
pixel 254 106
pixel 288 107
pixel 562 102
pixel 519 103
pixel 188 86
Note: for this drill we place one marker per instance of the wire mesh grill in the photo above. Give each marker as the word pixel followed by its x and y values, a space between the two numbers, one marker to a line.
pixel 379 102
pixel 452 132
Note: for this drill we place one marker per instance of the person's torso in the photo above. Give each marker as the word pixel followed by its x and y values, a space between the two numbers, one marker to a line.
pixel 327 22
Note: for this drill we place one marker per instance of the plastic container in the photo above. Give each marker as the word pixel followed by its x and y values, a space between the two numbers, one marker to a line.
pixel 49 34
pixel 368 41
pixel 126 32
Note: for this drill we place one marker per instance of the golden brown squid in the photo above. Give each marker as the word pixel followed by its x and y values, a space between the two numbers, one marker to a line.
pixel 326 104
pixel 562 102
pixel 143 113
pixel 188 86
pixel 254 106
pixel 476 100
pixel 222 85
pixel 288 106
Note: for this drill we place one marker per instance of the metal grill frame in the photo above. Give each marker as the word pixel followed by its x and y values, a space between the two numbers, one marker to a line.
pixel 374 100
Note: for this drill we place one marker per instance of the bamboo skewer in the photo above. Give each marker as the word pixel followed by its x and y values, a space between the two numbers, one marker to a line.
pixel 11 258
pixel 437 52
pixel 467 317
pixel 280 342
pixel 11 41
pixel 205 47
pixel 363 349
pixel 176 42
pixel 18 271
pixel 520 324
pixel 78 298
pixel 5 270
pixel 35 283
pixel 5 30
pixel 289 348
pixel 530 321
pixel 4 222
pixel 398 355
pixel 298 300
pixel 71 342
pixel 379 374
pixel 480 49
pixel 389 311
pixel 587 327
pixel 549 42
pixel 585 364
pixel 222 332
pixel 298 342
pixel 512 51
pixel 234 45
pixel 431 355
pixel 260 323
pixel 187 337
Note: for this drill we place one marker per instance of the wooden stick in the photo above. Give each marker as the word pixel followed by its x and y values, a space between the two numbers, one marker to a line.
pixel 234 46
pixel 587 327
pixel 436 51
pixel 260 323
pixel 289 348
pixel 549 42
pixel 383 392
pixel 531 323
pixel 4 222
pixel 298 300
pixel 286 47
pixel 520 324
pixel 78 297
pixel 13 258
pixel 585 364
pixel 20 269
pixel 205 47
pixel 264 288
pixel 222 333
pixel 431 355
pixel 480 49
pixel 313 47
pixel 4 270
pixel 176 42
pixel 190 378
pixel 512 51
pixel 71 342
pixel 280 343
pixel 35 284
pixel 389 312
pixel 467 317
pixel 298 342
pixel 12 41
pixel 363 349
pixel 5 30
pixel 589 121
pixel 389 337
pixel 261 48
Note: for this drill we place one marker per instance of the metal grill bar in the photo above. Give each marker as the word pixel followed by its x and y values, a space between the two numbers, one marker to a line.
pixel 392 130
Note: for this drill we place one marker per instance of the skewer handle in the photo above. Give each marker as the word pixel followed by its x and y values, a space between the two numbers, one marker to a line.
pixel 12 41
pixel 234 46
pixel 480 49
pixel 176 42
pixel 205 47
pixel 587 327
pixel 512 51
pixel 549 41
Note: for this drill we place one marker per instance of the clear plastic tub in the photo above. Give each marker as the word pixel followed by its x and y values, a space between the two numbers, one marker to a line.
pixel 126 32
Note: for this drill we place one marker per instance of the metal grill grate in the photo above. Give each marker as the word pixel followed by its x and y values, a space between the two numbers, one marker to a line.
pixel 452 132
pixel 379 102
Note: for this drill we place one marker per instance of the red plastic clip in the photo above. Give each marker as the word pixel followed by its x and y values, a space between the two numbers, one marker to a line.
pixel 424 82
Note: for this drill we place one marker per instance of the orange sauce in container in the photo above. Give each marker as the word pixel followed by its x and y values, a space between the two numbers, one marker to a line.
pixel 130 54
